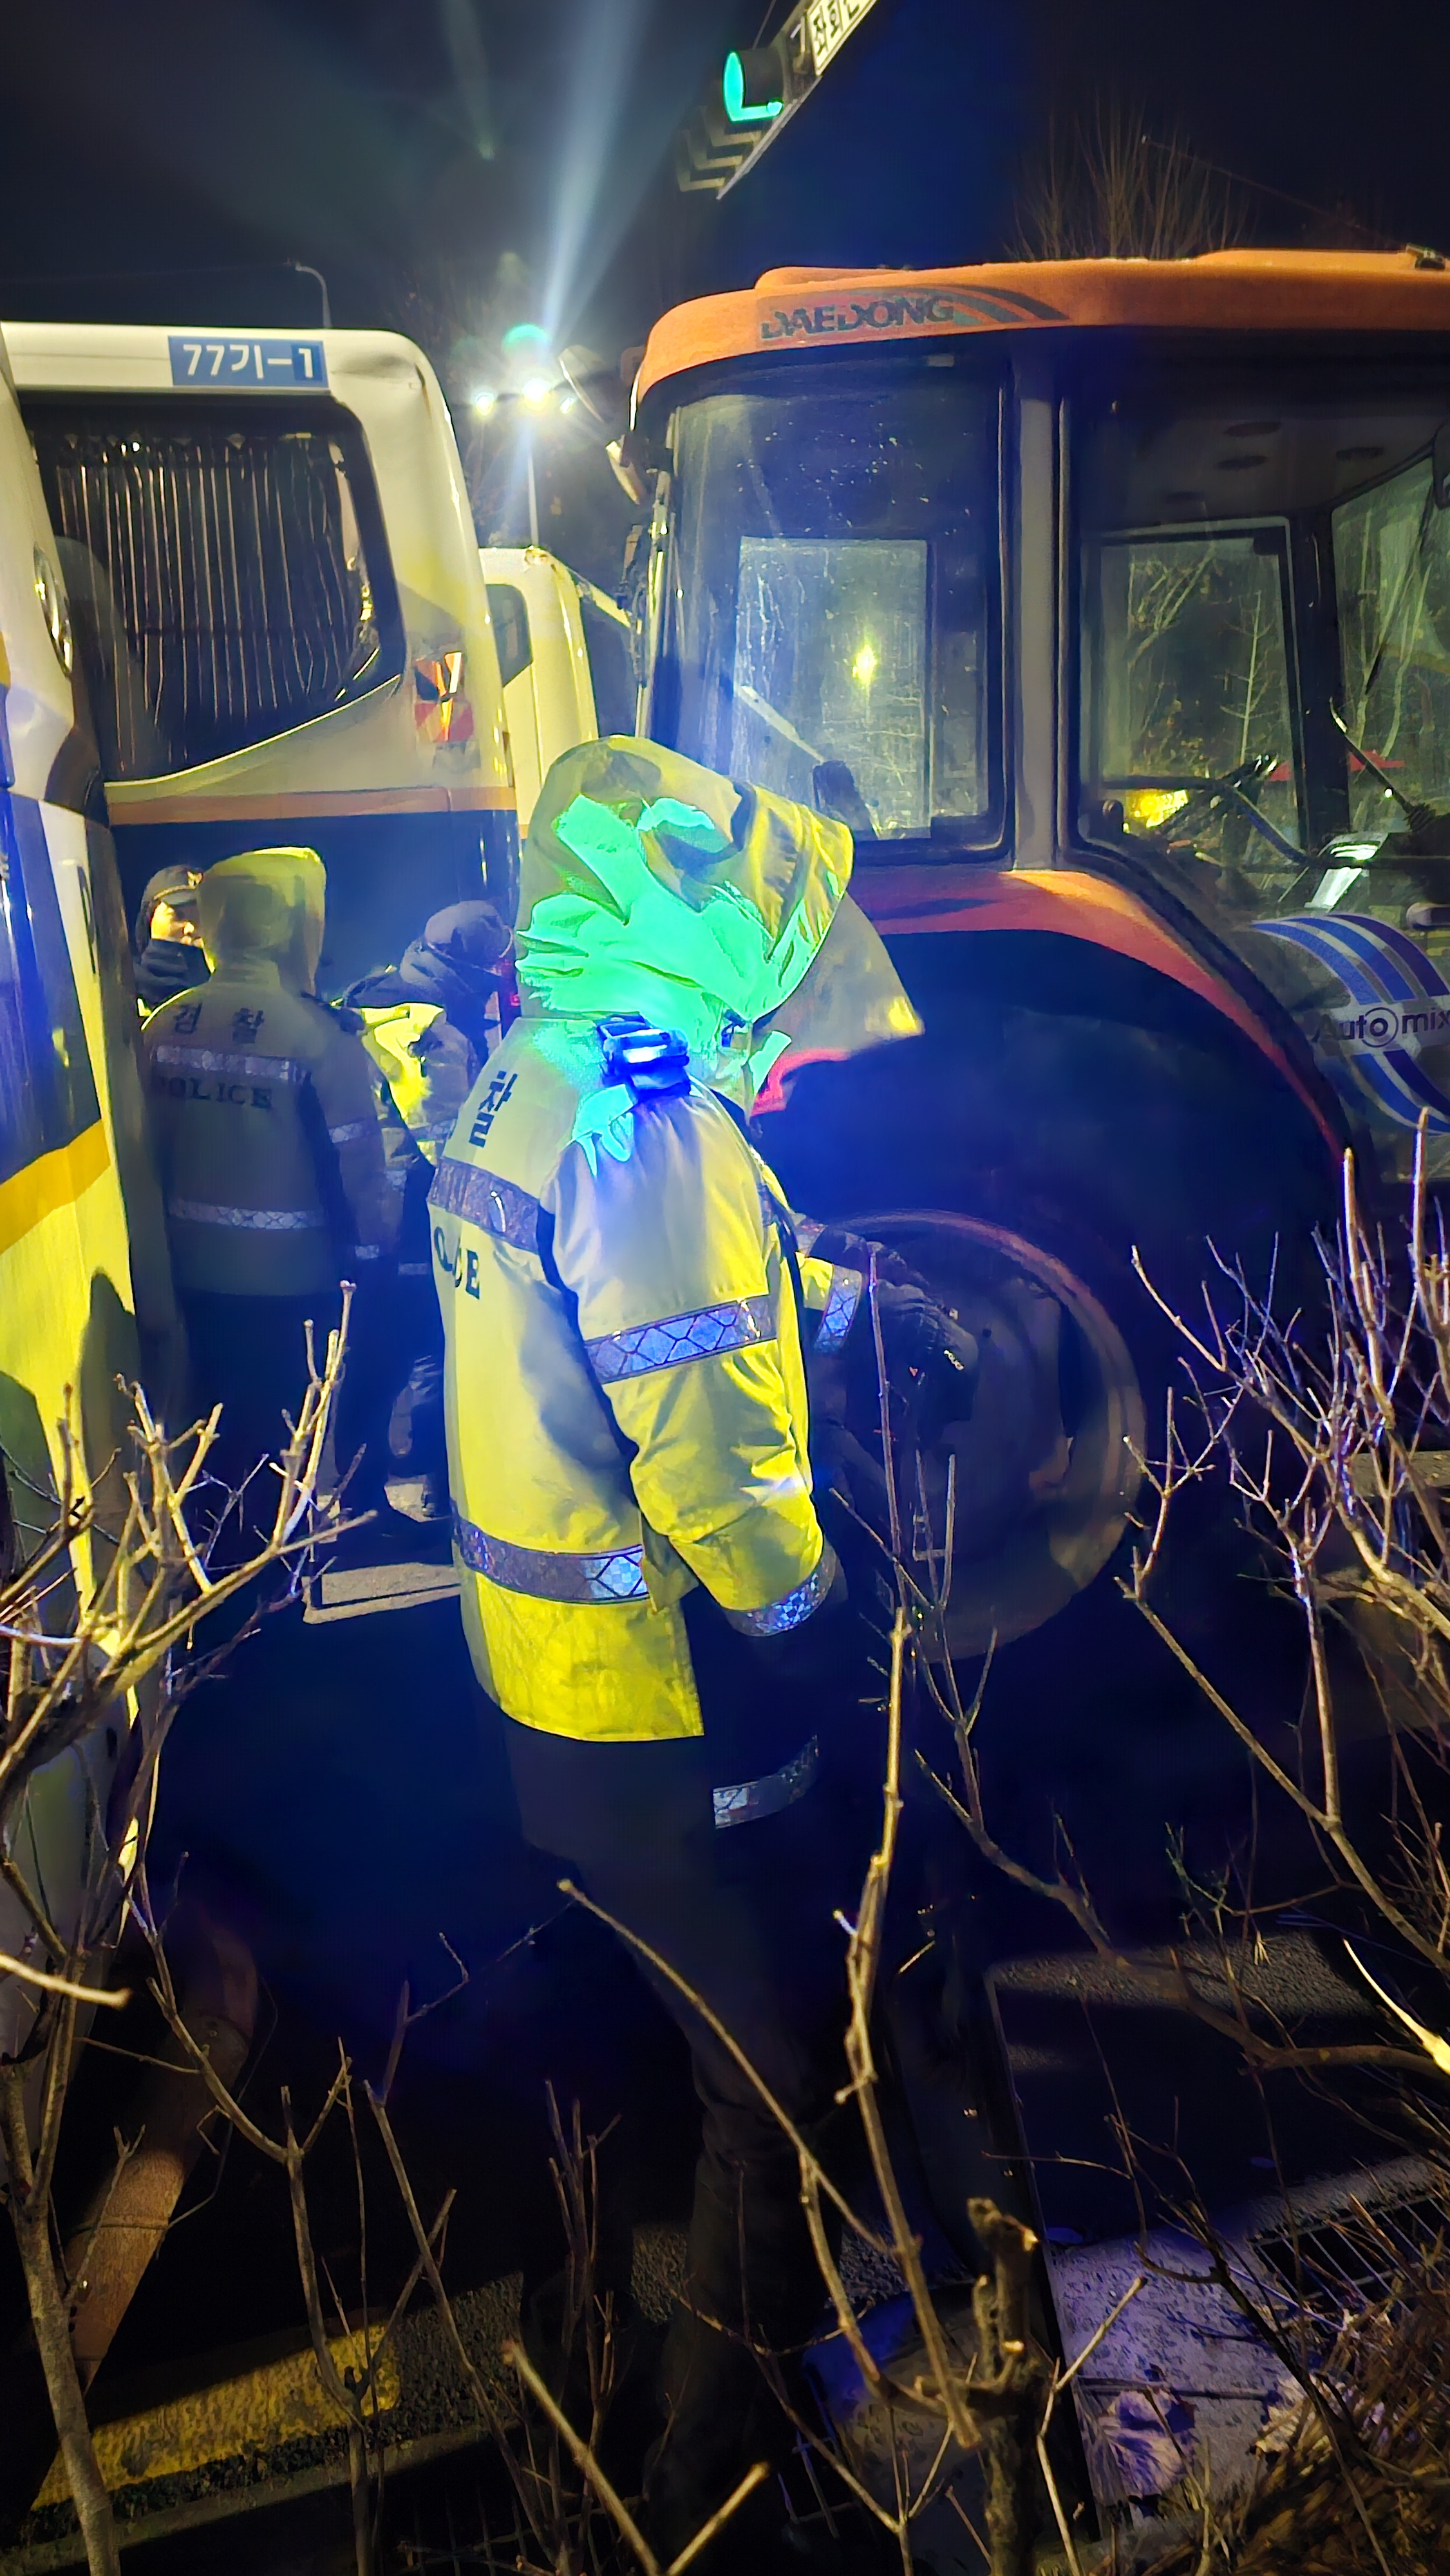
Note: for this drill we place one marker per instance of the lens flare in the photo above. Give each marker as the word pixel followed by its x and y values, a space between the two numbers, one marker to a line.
pixel 595 201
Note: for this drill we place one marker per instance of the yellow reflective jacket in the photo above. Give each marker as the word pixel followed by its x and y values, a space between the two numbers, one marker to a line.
pixel 262 1100
pixel 625 1386
pixel 424 1061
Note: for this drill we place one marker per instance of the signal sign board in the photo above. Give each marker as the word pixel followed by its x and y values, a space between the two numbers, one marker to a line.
pixel 829 23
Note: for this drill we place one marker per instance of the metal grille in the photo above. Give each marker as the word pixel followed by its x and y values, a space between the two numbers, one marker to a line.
pixel 1359 2255
pixel 217 582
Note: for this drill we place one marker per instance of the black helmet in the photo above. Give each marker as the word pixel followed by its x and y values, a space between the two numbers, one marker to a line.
pixel 169 960
pixel 461 958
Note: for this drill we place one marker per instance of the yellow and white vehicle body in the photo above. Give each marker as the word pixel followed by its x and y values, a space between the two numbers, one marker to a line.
pixel 538 608
pixel 280 614
pixel 72 1157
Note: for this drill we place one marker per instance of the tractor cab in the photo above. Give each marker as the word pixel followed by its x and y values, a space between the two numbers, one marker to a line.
pixel 1093 592
pixel 1108 602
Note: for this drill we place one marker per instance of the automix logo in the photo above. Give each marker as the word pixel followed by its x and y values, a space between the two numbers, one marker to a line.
pixel 1389 1024
pixel 899 314
pixel 1385 1043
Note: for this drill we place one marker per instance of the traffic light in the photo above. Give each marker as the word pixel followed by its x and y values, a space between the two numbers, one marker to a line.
pixel 753 85
pixel 752 94
pixel 758 90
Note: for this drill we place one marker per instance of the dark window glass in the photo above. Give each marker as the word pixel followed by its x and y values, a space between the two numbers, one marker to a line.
pixel 833 620
pixel 227 573
pixel 47 1090
pixel 510 620
pixel 1264 614
pixel 611 668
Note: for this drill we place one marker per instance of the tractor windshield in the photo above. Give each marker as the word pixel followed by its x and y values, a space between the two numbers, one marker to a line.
pixel 833 603
pixel 1265 617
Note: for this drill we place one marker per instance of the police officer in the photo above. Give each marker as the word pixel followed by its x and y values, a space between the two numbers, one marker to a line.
pixel 426 1025
pixel 271 1156
pixel 648 1592
pixel 168 950
pixel 425 1022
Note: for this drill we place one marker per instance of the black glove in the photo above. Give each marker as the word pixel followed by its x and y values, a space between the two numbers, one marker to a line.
pixel 932 1362
pixel 848 1251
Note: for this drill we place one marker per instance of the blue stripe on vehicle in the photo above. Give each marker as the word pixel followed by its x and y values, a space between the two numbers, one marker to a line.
pixel 1376 962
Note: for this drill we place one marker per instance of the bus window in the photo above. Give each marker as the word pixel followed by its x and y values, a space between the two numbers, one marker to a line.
pixel 611 668
pixel 227 573
pixel 510 620
pixel 47 1091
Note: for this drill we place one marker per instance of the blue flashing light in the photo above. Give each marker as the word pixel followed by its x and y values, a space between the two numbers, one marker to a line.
pixel 733 88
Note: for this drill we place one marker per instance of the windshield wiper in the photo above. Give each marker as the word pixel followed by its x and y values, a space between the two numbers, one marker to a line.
pixel 1387 623
pixel 1427 824
pixel 833 783
pixel 778 723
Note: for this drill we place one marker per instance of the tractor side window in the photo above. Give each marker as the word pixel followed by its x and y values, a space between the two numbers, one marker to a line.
pixel 1392 581
pixel 47 1090
pixel 834 613
pixel 1188 698
pixel 1264 626
pixel 227 573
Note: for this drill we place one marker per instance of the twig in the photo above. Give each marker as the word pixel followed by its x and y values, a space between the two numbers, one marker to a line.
pixel 713 2022
pixel 114 1996
pixel 1063 2379
pixel 487 2412
pixel 30 2217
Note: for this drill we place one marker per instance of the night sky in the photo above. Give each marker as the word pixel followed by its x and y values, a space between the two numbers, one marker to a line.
pixel 456 165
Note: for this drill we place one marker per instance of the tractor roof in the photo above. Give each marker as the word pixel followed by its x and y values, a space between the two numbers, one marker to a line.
pixel 1226 290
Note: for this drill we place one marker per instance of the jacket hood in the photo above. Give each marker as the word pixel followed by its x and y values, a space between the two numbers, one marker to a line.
pixel 267 905
pixel 652 885
pixel 713 909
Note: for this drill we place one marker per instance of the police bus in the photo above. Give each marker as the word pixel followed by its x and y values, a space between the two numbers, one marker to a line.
pixel 84 1297
pixel 279 611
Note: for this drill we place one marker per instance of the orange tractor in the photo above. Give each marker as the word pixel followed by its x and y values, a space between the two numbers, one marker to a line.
pixel 1109 603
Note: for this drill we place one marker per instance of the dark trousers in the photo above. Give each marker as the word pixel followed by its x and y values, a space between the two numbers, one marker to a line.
pixel 249 1355
pixel 745 1917
pixel 397 1329
pixel 393 1322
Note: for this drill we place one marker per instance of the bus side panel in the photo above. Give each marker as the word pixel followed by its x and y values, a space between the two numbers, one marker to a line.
pixel 89 885
pixel 66 1210
pixel 66 1327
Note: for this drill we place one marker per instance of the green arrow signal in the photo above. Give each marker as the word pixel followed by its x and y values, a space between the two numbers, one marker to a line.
pixel 733 86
